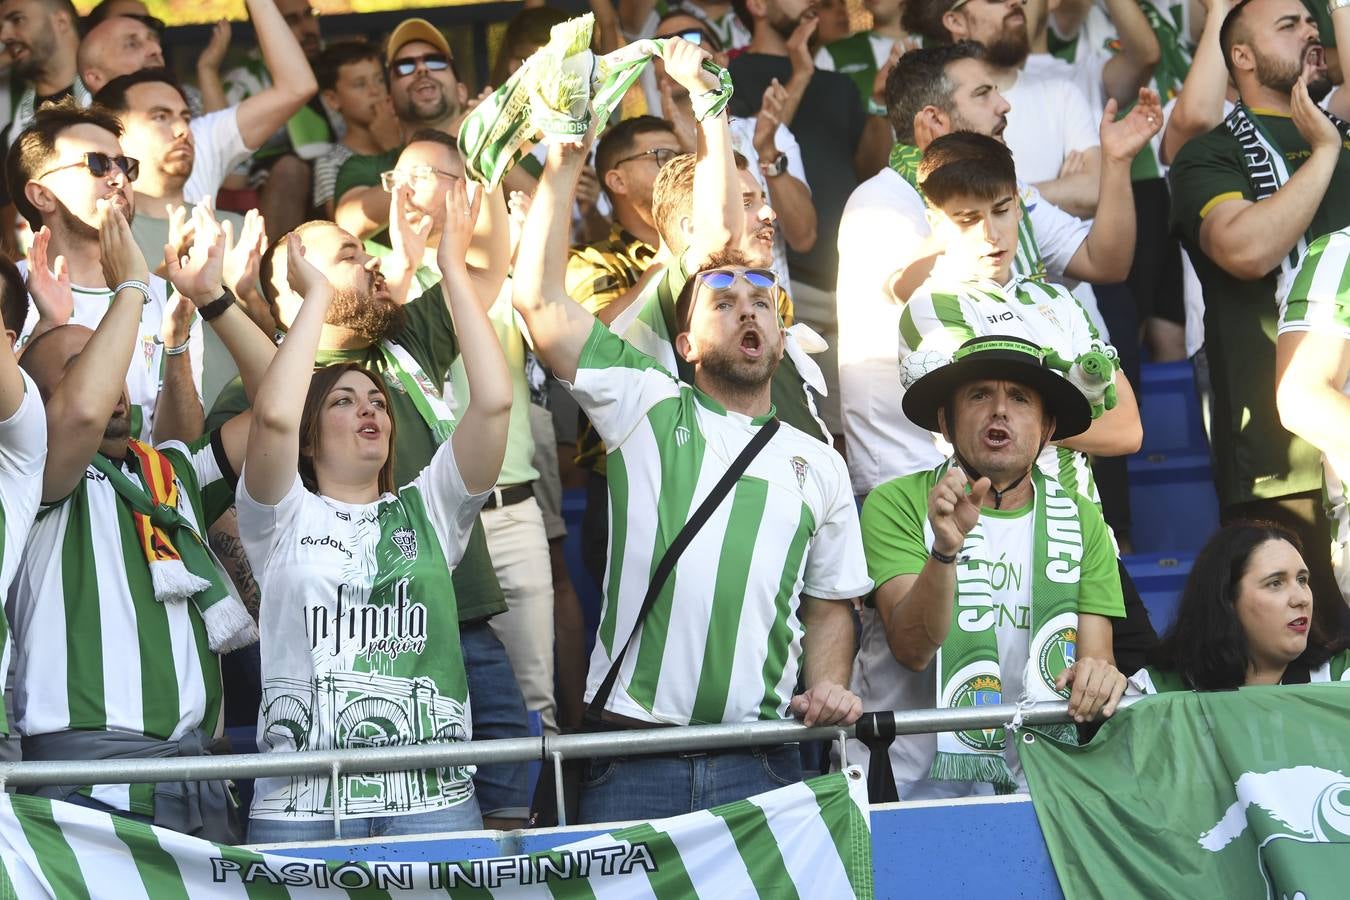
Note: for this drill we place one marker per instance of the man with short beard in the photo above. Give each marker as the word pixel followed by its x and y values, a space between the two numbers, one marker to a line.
pixel 427 93
pixel 43 39
pixel 59 171
pixel 728 635
pixel 412 346
pixel 1052 129
pixel 1247 199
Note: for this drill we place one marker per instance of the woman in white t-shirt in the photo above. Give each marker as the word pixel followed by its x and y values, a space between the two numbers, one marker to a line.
pixel 360 632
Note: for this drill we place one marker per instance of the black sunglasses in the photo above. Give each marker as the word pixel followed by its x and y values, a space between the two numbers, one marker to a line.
pixel 99 165
pixel 406 65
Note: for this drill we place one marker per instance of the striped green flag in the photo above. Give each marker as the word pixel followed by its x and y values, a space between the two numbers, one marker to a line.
pixel 1233 794
pixel 807 840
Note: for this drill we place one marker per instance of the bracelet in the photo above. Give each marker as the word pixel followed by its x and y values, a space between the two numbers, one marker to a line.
pixel 217 307
pixel 179 350
pixel 945 558
pixel 135 284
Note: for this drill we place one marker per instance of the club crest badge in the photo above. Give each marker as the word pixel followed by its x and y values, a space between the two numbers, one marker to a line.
pixel 800 467
pixel 150 345
pixel 394 384
pixel 405 539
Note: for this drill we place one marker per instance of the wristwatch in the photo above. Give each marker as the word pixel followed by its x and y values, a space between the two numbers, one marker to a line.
pixel 775 168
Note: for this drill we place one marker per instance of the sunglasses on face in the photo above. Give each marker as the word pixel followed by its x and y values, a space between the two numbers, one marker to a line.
pixel 100 164
pixel 417 176
pixel 662 155
pixel 721 279
pixel 406 65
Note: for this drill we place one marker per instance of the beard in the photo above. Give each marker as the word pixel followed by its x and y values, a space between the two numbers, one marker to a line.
pixel 1009 50
pixel 1278 75
pixel 365 316
pixel 736 374
pixel 437 109
pixel 783 24
pixel 40 49
pixel 118 427
pixel 79 228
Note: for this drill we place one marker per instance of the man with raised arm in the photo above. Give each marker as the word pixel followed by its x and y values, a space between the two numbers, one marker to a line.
pixel 1248 197
pixel 730 630
pixel 119 615
pixel 1023 567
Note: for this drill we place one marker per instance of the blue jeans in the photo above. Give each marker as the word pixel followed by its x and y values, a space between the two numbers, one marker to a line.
pixel 461 817
pixel 498 711
pixel 656 787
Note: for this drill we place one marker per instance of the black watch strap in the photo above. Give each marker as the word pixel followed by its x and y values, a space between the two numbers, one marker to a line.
pixel 217 307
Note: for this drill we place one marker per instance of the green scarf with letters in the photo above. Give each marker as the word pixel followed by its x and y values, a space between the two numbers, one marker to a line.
pixel 904 161
pixel 968 667
pixel 558 91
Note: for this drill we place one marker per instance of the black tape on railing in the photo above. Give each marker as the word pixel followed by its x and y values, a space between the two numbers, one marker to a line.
pixel 876 730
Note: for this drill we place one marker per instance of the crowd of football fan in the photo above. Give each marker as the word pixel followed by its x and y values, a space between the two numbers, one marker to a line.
pixel 843 368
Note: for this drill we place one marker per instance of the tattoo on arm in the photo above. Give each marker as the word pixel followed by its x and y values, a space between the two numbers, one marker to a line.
pixel 224 540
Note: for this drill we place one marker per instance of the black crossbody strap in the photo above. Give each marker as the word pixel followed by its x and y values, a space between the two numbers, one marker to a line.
pixel 672 554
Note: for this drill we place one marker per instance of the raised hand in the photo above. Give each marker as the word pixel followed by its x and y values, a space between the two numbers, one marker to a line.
pixel 953 510
pixel 1311 121
pixel 1074 162
pixel 197 271
pixel 588 190
pixel 769 118
pixel 177 324
pixel 301 274
pixel 243 255
pixel 408 232
pixel 680 118
pixel 119 256
pixel 461 215
pixel 49 284
pixel 684 65
pixel 1123 138
pixel 799 48
pixel 899 49
pixel 214 55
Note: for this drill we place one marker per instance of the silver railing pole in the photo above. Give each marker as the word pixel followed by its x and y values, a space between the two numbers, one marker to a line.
pixel 551 750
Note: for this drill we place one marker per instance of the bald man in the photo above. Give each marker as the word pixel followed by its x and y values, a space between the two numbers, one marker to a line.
pixel 119 45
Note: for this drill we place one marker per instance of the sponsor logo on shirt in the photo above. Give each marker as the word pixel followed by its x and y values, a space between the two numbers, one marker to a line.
pixel 310 540
pixel 995 318
pixel 366 628
pixel 405 539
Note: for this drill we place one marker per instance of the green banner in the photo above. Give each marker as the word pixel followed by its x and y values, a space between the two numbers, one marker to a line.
pixel 1233 794
pixel 810 839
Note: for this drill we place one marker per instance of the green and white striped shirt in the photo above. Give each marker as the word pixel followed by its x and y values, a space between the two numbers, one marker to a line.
pixel 95 650
pixel 1318 299
pixel 23 453
pixel 145 377
pixel 944 313
pixel 723 642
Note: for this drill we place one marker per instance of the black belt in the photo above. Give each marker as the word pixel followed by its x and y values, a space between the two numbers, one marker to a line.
pixel 509 495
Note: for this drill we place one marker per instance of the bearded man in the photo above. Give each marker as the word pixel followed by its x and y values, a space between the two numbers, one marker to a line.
pixel 1247 199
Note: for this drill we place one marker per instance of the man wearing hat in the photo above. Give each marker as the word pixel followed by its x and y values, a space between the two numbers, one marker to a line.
pixel 994 582
pixel 427 93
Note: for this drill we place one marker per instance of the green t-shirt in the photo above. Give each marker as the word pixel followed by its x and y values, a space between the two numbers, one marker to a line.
pixel 1254 457
pixel 429 337
pixel 362 170
pixel 893 520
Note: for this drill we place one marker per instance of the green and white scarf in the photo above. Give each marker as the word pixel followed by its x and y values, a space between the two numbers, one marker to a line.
pixel 905 159
pixel 228 624
pixel 26 112
pixel 558 91
pixel 968 667
pixel 1266 169
pixel 425 393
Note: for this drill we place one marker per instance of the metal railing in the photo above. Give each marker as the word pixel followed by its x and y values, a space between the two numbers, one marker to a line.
pixel 551 750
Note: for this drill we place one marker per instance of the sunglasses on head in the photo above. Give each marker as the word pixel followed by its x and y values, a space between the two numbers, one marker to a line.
pixel 406 65
pixel 721 279
pixel 100 164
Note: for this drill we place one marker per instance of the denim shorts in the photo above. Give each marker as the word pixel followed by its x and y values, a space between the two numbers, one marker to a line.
pixel 621 789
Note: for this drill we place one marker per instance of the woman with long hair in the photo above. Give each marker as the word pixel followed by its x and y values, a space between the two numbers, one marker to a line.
pixel 360 634
pixel 1245 618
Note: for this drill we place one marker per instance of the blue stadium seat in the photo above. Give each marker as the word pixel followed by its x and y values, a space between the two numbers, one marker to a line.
pixel 1159 577
pixel 1170 410
pixel 1172 503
